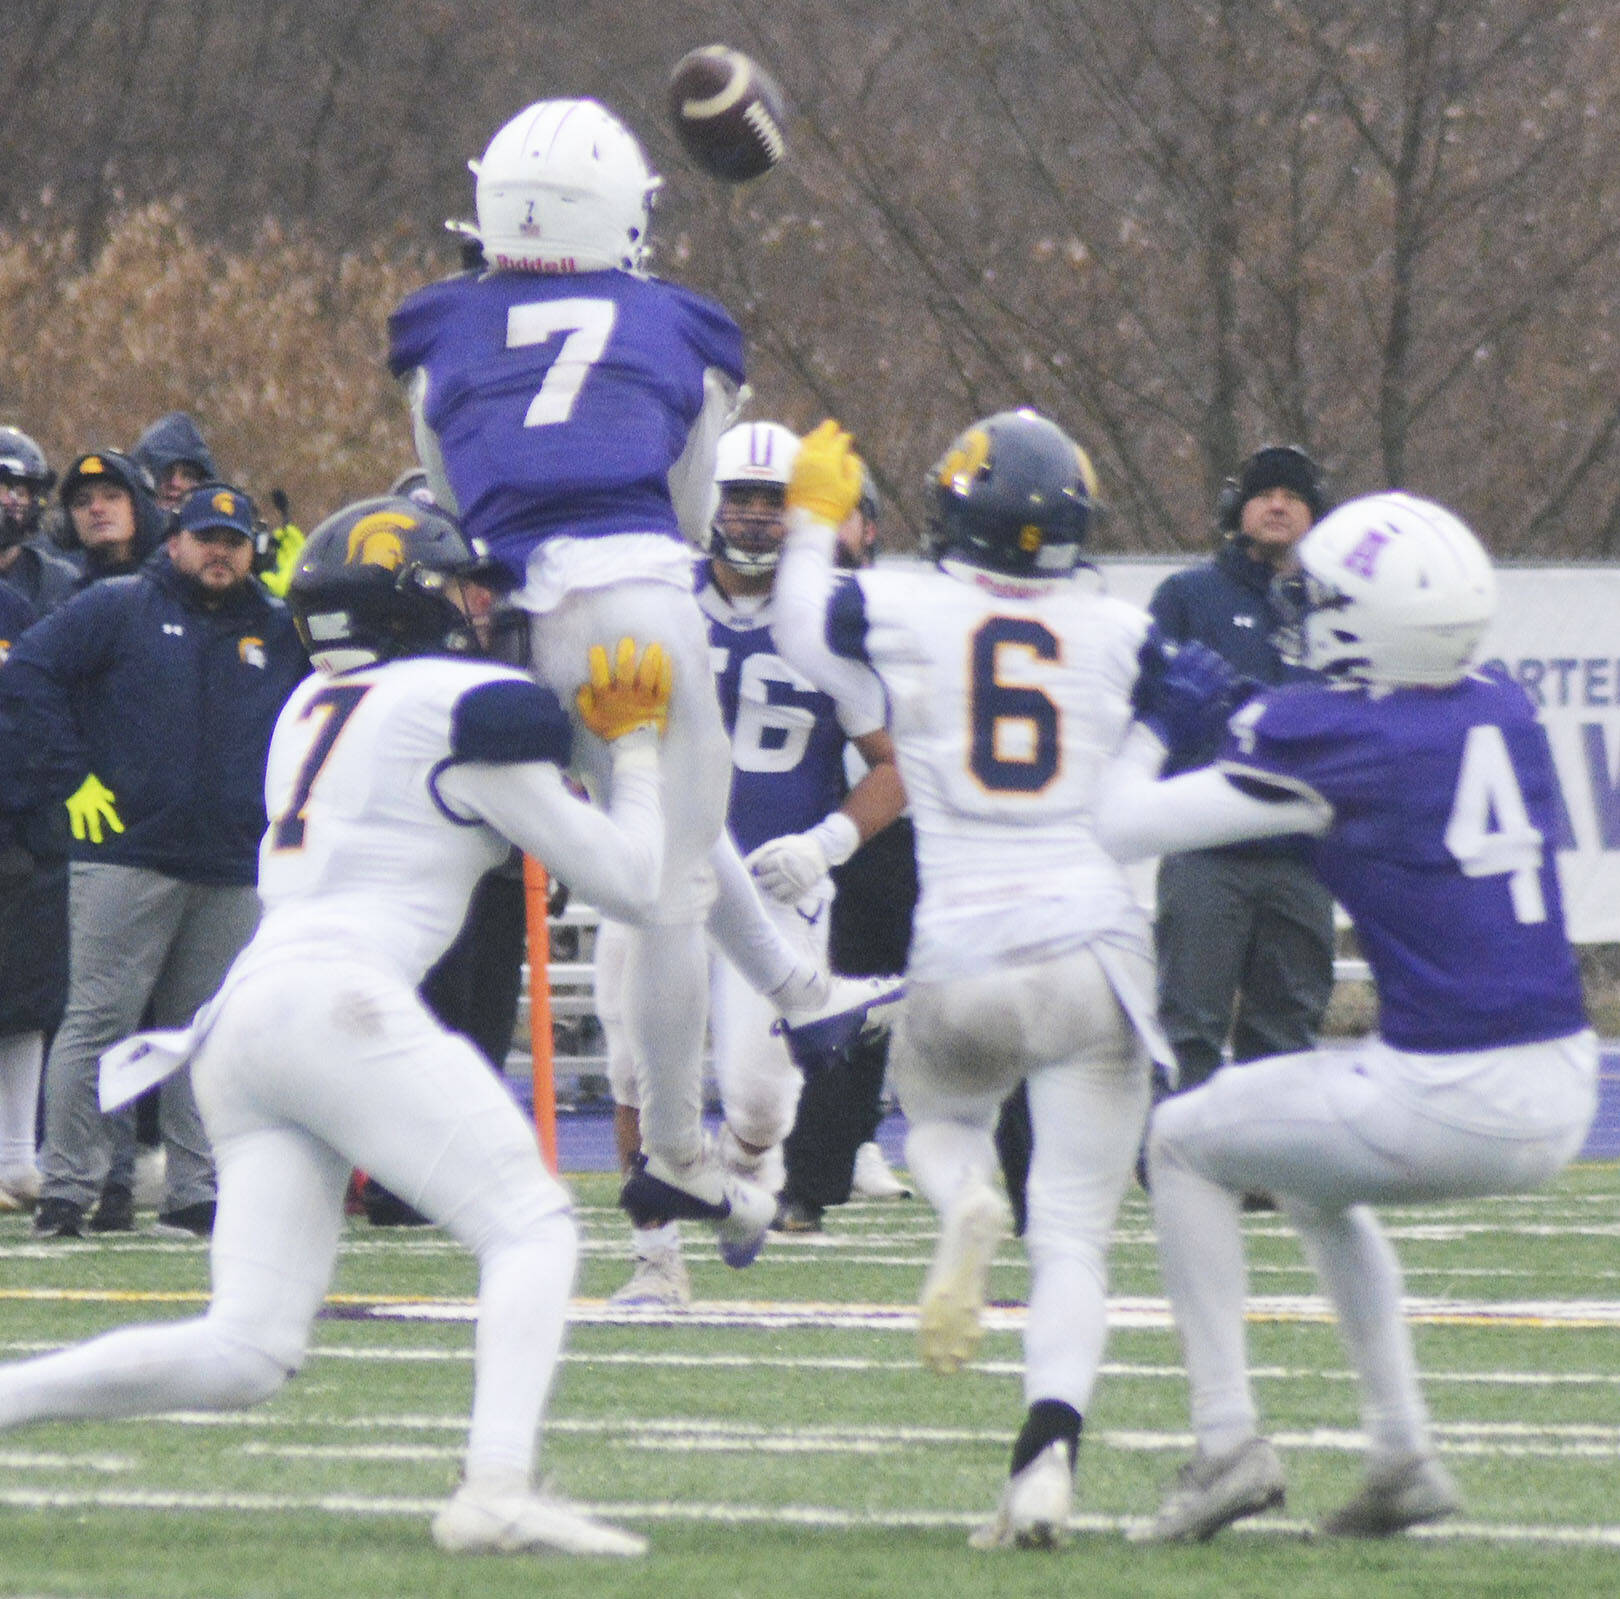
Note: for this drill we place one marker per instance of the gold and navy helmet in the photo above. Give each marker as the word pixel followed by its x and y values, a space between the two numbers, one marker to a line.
pixel 375 581
pixel 1014 494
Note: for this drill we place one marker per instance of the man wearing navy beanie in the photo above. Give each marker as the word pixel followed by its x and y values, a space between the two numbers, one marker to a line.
pixel 1245 933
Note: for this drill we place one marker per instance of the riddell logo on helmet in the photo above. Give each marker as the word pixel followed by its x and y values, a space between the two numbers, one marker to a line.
pixel 535 263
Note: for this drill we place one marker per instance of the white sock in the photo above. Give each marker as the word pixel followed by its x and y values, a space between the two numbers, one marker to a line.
pixel 646 1242
pixel 22 1057
pixel 666 1006
pixel 523 1290
pixel 1206 1277
pixel 1362 1276
pixel 744 933
pixel 137 1371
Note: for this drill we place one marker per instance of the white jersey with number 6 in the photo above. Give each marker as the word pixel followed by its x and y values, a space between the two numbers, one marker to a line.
pixel 1006 700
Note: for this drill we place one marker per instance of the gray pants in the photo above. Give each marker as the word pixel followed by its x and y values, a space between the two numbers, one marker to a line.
pixel 135 936
pixel 1252 932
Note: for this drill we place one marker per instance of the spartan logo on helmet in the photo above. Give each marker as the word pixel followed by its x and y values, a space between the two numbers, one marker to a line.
pixel 380 579
pixel 1013 494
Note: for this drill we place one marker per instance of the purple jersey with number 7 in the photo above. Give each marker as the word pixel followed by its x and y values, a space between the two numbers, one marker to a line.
pixel 1444 803
pixel 560 403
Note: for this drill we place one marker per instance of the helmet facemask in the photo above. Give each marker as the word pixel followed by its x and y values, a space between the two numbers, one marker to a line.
pixel 749 527
pixel 22 503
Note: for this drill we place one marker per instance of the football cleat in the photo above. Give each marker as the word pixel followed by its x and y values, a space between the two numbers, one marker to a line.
pixel 1212 1491
pixel 855 1007
pixel 483 1519
pixel 948 1318
pixel 660 1278
pixel 739 1211
pixel 1413 1490
pixel 873 1178
pixel 1034 1508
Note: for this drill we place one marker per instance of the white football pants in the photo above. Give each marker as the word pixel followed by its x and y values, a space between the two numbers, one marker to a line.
pixel 759 1083
pixel 959 1049
pixel 666 959
pixel 317 1064
pixel 1329 1133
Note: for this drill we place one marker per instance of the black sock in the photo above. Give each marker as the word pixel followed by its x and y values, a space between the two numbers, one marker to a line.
pixel 1048 1420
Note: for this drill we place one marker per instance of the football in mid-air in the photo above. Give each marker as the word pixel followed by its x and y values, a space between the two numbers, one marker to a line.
pixel 728 113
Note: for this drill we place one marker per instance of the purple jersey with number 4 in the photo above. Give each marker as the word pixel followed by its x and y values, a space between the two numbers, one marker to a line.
pixel 561 403
pixel 1444 801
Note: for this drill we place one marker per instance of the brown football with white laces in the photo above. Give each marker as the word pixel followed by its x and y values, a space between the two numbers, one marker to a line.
pixel 728 113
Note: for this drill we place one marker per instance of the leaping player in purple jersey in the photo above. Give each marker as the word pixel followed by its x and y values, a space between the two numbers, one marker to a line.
pixel 567 406
pixel 1426 788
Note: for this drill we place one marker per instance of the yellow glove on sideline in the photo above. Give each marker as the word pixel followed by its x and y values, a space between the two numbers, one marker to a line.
pixel 287 541
pixel 631 695
pixel 88 806
pixel 826 479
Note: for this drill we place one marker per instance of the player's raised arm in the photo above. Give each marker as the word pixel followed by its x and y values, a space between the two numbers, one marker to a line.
pixel 817 621
pixel 614 857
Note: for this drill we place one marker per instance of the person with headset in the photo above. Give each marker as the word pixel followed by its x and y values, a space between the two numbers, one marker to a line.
pixel 145 705
pixel 1244 932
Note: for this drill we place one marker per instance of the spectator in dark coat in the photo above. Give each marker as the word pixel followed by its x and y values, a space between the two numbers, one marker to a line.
pixel 1244 933
pixel 113 522
pixel 146 703
pixel 173 452
pixel 33 962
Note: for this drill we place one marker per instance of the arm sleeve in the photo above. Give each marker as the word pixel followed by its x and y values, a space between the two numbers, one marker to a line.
pixel 1139 816
pixel 809 612
pixel 1168 608
pixel 692 489
pixel 427 441
pixel 613 858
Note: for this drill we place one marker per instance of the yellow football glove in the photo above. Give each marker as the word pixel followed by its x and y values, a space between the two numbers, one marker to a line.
pixel 826 478
pixel 286 543
pixel 631 696
pixel 89 805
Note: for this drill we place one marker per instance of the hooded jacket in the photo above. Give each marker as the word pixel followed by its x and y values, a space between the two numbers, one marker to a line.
pixel 151 520
pixel 172 438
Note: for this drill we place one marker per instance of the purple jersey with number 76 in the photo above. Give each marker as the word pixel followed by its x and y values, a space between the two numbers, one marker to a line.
pixel 1444 804
pixel 560 403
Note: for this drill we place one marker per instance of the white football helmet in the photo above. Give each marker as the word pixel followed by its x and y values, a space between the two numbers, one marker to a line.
pixel 751 455
pixel 564 187
pixel 1395 591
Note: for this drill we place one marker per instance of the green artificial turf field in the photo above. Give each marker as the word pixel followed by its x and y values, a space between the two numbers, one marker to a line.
pixel 780 1439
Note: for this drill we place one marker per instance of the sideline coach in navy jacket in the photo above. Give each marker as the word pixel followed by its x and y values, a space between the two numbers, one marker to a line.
pixel 146 704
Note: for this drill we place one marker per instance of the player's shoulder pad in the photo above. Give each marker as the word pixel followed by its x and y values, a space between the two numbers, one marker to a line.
pixel 510 720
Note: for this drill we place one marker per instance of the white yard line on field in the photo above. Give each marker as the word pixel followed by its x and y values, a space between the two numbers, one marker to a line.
pixel 822 1517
